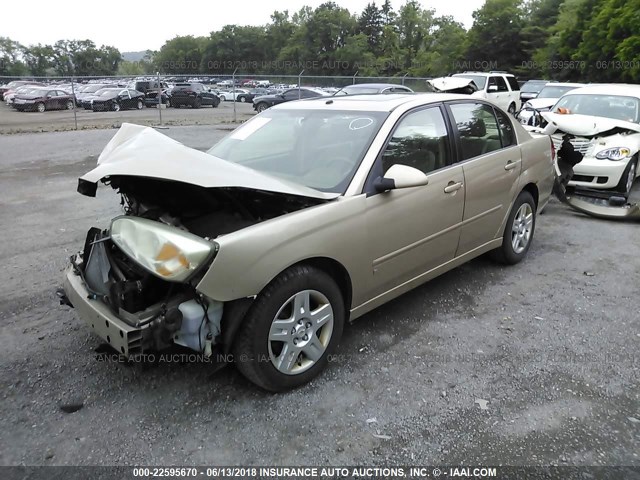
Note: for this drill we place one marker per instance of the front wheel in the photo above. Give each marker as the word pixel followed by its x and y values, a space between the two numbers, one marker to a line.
pixel 197 103
pixel 261 107
pixel 115 107
pixel 512 109
pixel 70 105
pixel 40 107
pixel 290 330
pixel 518 232
pixel 628 177
pixel 243 99
pixel 140 105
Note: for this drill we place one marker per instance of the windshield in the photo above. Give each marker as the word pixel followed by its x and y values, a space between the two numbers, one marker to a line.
pixel 364 90
pixel 316 148
pixel 554 92
pixel 532 87
pixel 479 80
pixel 106 92
pixel 617 107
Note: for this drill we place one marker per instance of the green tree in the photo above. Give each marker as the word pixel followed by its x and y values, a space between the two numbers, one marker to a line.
pixel 370 23
pixel 11 63
pixel 445 49
pixel 495 39
pixel 181 55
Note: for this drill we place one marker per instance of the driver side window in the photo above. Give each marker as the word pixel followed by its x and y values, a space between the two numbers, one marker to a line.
pixel 420 141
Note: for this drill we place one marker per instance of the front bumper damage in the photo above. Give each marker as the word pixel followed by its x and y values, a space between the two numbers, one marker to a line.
pixel 110 304
pixel 608 206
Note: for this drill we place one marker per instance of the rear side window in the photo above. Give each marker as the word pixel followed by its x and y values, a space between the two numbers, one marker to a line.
pixel 498 82
pixel 419 141
pixel 513 83
pixel 507 134
pixel 477 128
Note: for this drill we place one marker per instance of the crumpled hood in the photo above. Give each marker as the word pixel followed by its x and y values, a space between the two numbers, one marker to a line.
pixel 139 151
pixel 451 84
pixel 584 125
pixel 540 103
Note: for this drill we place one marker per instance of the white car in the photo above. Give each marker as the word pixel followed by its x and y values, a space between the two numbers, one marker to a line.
pixel 499 87
pixel 603 123
pixel 546 99
pixel 232 95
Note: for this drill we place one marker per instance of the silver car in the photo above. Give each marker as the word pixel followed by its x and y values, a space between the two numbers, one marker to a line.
pixel 309 215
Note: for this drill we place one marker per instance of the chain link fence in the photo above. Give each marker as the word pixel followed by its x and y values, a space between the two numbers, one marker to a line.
pixel 35 104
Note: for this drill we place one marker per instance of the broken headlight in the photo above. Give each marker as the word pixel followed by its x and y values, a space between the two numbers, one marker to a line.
pixel 166 252
pixel 616 153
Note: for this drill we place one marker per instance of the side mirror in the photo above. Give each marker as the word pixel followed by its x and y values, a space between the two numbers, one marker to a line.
pixel 400 176
pixel 492 88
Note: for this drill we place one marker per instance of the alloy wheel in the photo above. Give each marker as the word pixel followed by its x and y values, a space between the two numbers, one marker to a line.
pixel 631 176
pixel 300 332
pixel 521 229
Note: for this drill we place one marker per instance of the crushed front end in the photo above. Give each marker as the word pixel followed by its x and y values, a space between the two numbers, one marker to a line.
pixel 133 284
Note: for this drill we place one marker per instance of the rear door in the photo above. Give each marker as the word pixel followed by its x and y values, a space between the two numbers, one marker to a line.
pixel 497 91
pixel 490 159
pixel 51 100
pixel 414 230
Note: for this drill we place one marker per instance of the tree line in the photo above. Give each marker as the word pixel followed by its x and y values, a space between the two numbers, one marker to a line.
pixel 586 40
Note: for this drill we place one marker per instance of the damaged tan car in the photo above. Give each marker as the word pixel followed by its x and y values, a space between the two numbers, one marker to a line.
pixel 309 215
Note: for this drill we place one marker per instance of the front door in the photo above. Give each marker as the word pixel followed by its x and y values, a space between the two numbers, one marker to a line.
pixel 414 230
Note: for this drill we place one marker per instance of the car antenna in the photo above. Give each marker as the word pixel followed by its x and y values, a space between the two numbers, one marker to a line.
pixel 335 93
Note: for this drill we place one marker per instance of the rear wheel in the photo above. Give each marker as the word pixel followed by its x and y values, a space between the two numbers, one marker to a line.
pixel 243 99
pixel 628 177
pixel 41 107
pixel 291 329
pixel 140 105
pixel 197 103
pixel 261 107
pixel 70 105
pixel 518 232
pixel 512 109
pixel 115 106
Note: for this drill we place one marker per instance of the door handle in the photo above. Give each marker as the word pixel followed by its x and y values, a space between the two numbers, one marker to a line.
pixel 452 187
pixel 511 165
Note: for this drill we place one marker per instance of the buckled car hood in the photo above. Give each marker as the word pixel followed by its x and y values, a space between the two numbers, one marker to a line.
pixel 584 125
pixel 138 151
pixel 452 84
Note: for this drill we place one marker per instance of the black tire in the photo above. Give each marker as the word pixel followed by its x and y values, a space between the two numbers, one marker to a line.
pixel 626 184
pixel 115 106
pixel 506 253
pixel 140 105
pixel 512 109
pixel 215 103
pixel 243 99
pixel 40 107
pixel 197 103
pixel 168 102
pixel 261 107
pixel 70 105
pixel 251 348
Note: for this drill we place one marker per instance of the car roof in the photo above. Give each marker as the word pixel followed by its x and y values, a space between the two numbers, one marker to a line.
pixel 565 84
pixel 608 89
pixel 377 103
pixel 486 74
pixel 374 85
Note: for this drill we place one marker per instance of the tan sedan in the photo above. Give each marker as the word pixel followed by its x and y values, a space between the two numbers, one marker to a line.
pixel 310 214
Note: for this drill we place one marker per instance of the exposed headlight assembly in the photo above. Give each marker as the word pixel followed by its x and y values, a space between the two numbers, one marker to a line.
pixel 616 153
pixel 166 252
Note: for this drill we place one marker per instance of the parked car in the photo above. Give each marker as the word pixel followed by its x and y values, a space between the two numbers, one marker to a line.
pixel 499 87
pixel 23 90
pixel 231 95
pixel 151 97
pixel 43 99
pixel 145 86
pixel 193 94
pixel 309 215
pixel 548 96
pixel 373 88
pixel 88 91
pixel 531 88
pixel 263 102
pixel 13 86
pixel 116 99
pixel 602 123
pixel 253 93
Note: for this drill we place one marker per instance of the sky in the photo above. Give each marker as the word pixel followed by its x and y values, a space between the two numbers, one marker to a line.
pixel 129 27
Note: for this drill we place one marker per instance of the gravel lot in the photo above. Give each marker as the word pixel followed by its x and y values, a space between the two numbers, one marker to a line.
pixel 535 364
pixel 12 121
